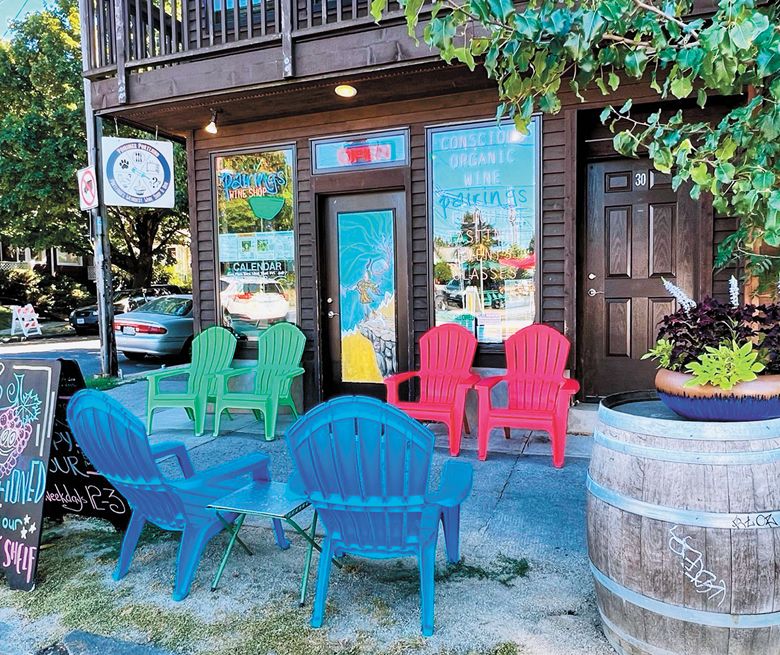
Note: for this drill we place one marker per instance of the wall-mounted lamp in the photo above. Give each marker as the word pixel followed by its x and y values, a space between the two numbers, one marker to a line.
pixel 211 128
pixel 346 91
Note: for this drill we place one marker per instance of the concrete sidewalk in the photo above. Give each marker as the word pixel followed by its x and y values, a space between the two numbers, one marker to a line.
pixel 523 586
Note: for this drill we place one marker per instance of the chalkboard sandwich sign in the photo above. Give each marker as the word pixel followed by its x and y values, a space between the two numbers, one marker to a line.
pixel 43 472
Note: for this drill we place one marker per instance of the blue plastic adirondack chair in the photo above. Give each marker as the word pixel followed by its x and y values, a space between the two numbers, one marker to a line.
pixel 364 466
pixel 115 442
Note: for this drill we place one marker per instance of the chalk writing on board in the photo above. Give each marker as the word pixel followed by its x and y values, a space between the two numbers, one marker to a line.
pixel 28 392
pixel 14 435
pixel 692 561
pixel 766 520
pixel 73 485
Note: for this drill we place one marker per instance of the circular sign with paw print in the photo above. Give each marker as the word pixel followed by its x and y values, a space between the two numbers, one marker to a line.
pixel 138 173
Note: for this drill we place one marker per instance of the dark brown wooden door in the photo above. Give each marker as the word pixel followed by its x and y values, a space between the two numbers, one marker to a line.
pixel 364 291
pixel 635 236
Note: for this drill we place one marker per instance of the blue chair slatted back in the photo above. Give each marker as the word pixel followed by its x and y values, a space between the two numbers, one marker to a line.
pixel 279 349
pixel 116 443
pixel 365 466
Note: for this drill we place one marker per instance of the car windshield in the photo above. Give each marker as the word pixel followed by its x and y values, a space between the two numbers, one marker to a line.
pixel 167 305
pixel 123 295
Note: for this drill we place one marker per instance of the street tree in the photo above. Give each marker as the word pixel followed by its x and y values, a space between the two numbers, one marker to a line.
pixel 43 144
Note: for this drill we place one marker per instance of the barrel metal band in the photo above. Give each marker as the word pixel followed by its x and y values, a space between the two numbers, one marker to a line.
pixel 701 519
pixel 702 617
pixel 740 458
pixel 636 643
pixel 690 430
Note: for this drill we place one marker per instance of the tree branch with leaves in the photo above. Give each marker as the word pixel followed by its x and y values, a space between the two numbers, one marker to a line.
pixel 537 52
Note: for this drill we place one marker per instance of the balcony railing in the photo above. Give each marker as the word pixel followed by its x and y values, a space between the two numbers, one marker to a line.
pixel 125 35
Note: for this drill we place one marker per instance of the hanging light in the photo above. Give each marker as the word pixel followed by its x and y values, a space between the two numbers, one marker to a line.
pixel 346 91
pixel 211 128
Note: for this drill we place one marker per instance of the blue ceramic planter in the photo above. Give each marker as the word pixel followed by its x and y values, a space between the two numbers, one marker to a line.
pixel 758 400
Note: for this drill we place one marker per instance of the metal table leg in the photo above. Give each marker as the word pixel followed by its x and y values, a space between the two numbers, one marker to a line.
pixel 307 565
pixel 235 527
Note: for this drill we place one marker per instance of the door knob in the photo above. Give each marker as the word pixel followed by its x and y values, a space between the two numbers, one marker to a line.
pixel 591 276
pixel 592 292
pixel 331 314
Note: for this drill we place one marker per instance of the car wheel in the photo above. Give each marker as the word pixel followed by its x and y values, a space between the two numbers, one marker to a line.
pixel 81 332
pixel 186 352
pixel 134 357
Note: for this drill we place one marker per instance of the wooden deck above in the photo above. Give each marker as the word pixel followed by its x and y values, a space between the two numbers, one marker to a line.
pixel 140 52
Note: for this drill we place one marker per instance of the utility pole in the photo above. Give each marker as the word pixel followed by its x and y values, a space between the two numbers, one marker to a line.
pixel 99 222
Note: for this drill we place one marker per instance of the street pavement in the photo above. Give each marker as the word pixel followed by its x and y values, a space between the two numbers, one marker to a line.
pixel 85 350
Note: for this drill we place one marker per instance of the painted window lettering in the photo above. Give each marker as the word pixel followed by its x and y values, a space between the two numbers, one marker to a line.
pixel 485 211
pixel 255 212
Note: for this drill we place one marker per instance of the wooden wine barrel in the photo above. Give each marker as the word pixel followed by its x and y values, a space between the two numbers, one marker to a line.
pixel 684 531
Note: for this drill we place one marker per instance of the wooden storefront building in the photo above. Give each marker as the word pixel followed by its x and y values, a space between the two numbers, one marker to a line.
pixel 368 219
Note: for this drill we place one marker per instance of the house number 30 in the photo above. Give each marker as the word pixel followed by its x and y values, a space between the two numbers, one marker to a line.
pixel 640 179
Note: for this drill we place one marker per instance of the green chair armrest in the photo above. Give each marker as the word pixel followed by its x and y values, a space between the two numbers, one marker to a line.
pixel 292 372
pixel 167 373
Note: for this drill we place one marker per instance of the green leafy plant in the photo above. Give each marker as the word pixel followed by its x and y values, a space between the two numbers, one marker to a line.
pixel 725 366
pixel 539 51
pixel 662 352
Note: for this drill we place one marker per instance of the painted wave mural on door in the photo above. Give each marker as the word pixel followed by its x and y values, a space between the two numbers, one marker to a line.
pixel 367 295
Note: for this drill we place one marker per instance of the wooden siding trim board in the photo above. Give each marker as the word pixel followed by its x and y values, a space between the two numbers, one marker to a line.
pixel 192 191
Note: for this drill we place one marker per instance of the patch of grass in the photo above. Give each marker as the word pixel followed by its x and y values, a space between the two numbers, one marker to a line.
pixel 381 612
pixel 105 383
pixel 281 628
pixel 73 587
pixel 505 571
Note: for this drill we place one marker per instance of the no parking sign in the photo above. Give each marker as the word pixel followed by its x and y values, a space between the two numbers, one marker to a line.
pixel 88 193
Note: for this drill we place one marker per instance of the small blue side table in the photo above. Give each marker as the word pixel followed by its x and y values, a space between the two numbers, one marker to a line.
pixel 269 500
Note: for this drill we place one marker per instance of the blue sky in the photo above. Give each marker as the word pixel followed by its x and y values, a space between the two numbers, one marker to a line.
pixel 10 8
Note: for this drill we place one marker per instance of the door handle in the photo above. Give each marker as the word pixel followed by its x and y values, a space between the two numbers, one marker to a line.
pixel 592 292
pixel 331 314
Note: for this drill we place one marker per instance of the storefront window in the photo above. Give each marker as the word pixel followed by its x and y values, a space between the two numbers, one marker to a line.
pixel 255 215
pixel 484 196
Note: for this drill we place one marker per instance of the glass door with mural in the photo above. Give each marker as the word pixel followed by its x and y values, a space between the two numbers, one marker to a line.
pixel 364 291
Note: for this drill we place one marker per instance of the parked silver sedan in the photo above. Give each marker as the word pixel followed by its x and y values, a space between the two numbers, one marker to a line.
pixel 162 327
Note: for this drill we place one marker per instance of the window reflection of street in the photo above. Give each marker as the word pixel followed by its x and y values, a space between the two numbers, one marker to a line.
pixel 484 204
pixel 255 207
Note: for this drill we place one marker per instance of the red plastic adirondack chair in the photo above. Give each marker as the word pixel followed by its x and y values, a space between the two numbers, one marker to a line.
pixel 446 355
pixel 538 393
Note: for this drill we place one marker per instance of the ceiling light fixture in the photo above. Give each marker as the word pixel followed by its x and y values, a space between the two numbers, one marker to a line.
pixel 346 91
pixel 211 128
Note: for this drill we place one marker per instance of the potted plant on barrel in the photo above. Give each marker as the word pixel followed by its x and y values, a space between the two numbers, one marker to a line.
pixel 719 361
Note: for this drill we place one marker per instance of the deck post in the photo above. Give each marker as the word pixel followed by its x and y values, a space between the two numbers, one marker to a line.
pixel 121 73
pixel 288 68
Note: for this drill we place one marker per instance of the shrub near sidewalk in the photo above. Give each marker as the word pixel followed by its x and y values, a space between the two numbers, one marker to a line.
pixel 47 294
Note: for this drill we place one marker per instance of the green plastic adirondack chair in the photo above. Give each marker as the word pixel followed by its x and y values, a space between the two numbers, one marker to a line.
pixel 279 352
pixel 212 352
